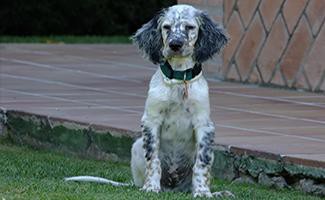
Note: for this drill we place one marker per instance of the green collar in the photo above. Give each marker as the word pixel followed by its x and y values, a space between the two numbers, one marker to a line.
pixel 185 75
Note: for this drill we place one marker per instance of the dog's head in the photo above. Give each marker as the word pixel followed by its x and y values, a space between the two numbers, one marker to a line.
pixel 180 31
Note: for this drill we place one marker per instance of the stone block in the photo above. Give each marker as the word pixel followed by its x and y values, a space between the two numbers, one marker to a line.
pixel 112 144
pixel 254 166
pixel 244 179
pixel 3 120
pixel 68 136
pixel 300 170
pixel 309 186
pixel 223 166
pixel 277 182
pixel 39 131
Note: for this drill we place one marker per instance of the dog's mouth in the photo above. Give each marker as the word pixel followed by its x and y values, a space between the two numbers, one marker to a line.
pixel 168 52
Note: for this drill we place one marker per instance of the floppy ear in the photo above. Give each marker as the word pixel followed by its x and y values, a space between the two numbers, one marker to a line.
pixel 210 40
pixel 149 40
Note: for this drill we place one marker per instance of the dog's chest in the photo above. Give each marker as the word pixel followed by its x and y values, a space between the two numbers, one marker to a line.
pixel 177 113
pixel 177 144
pixel 177 123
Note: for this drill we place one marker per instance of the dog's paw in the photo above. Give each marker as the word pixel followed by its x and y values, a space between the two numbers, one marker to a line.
pixel 208 194
pixel 150 187
pixel 202 193
pixel 222 194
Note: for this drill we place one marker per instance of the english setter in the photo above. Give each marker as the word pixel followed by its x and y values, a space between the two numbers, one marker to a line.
pixel 175 152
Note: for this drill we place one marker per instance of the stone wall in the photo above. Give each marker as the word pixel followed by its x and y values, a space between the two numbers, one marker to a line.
pixel 107 143
pixel 273 42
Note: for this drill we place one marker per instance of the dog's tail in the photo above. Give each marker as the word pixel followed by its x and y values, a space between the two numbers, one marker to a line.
pixel 96 180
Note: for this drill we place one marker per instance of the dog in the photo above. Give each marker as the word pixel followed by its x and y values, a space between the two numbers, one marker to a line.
pixel 175 151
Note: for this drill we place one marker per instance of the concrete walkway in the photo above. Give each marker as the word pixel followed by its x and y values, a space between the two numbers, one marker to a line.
pixel 107 85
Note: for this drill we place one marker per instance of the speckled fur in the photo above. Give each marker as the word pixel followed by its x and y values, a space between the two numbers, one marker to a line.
pixel 175 152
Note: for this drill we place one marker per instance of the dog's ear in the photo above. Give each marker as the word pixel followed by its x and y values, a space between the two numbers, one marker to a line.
pixel 149 40
pixel 210 40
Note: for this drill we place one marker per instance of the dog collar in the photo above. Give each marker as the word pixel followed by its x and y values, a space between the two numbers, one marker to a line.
pixel 185 75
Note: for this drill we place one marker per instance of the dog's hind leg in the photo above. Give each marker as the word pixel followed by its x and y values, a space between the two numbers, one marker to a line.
pixel 138 164
pixel 138 167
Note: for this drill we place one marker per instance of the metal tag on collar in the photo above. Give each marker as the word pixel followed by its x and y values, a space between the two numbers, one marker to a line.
pixel 184 77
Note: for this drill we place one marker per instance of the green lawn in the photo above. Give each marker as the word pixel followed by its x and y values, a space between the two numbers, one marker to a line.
pixel 35 174
pixel 65 39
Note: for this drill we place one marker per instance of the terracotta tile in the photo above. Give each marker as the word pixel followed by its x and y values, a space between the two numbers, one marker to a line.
pixel 301 81
pixel 254 76
pixel 273 48
pixel 246 10
pixel 314 66
pixel 228 117
pixel 212 68
pixel 310 114
pixel 315 13
pixel 258 93
pixel 296 51
pixel 232 73
pixel 321 85
pixel 278 78
pixel 214 2
pixel 227 132
pixel 227 9
pixel 269 10
pixel 292 11
pixel 318 98
pixel 235 31
pixel 265 124
pixel 193 2
pixel 276 145
pixel 250 46
pixel 309 131
pixel 124 122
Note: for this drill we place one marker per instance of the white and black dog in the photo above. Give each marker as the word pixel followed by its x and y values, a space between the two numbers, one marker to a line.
pixel 175 152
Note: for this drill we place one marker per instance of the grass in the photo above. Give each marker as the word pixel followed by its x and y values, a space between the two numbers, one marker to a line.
pixel 57 39
pixel 36 174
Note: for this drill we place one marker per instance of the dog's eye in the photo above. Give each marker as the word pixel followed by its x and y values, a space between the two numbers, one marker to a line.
pixel 189 27
pixel 166 27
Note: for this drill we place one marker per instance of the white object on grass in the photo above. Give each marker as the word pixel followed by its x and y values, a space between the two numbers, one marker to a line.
pixel 96 180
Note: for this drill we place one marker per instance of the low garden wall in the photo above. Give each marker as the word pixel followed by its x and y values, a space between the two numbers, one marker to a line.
pixel 106 143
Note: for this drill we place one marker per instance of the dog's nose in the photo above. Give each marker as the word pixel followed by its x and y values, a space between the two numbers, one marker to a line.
pixel 176 45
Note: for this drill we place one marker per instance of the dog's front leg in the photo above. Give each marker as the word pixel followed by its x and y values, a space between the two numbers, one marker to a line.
pixel 204 135
pixel 150 135
pixel 204 159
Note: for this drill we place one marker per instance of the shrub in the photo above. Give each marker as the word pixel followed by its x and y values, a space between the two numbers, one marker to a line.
pixel 76 17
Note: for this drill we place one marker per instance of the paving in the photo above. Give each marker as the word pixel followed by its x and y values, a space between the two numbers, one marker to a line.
pixel 106 85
